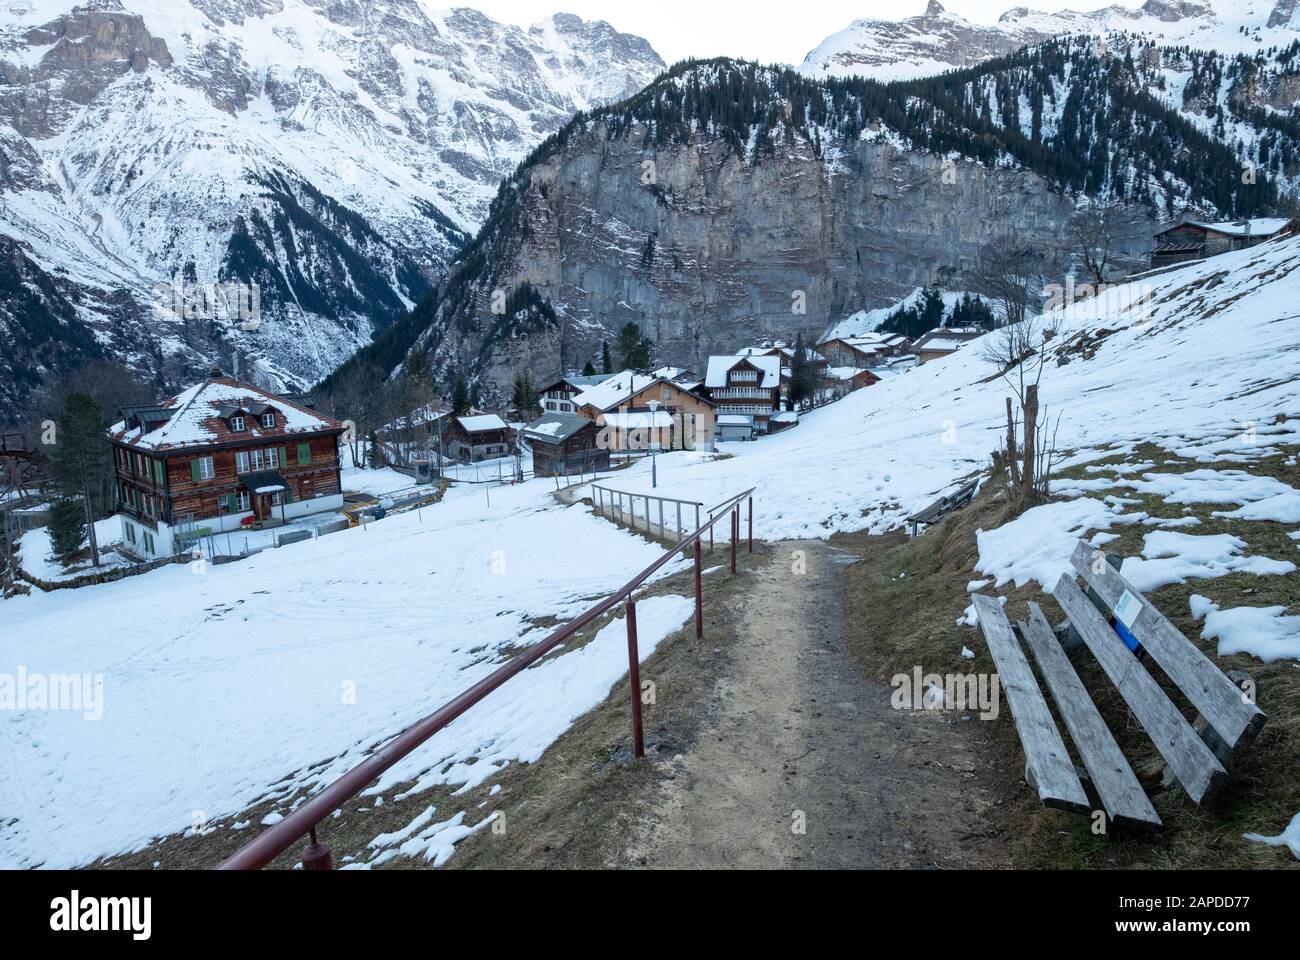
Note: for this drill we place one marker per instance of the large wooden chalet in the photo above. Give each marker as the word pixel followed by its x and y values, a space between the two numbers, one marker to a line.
pixel 637 411
pixel 219 456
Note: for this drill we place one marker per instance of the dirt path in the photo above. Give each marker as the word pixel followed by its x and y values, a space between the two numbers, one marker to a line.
pixel 802 739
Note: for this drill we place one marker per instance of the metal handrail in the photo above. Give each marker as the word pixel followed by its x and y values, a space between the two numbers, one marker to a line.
pixel 278 838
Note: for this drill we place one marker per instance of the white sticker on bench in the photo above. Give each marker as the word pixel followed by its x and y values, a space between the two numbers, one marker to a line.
pixel 1127 610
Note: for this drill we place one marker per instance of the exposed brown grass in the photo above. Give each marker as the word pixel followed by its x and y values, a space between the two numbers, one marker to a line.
pixel 906 596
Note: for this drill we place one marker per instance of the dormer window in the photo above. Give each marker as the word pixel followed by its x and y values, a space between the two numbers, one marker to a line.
pixel 237 424
pixel 268 420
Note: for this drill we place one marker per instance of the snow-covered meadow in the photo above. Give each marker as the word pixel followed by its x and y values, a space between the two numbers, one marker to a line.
pixel 220 682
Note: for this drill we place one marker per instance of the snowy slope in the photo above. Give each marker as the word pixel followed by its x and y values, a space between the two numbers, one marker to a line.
pixel 941 40
pixel 335 154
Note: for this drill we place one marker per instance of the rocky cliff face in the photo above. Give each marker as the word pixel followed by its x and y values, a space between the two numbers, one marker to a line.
pixel 720 249
pixel 335 153
pixel 728 202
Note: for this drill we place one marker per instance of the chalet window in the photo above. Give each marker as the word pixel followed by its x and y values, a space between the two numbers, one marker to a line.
pixel 268 419
pixel 237 424
pixel 243 501
pixel 241 461
pixel 304 454
pixel 201 469
pixel 277 498
pixel 273 456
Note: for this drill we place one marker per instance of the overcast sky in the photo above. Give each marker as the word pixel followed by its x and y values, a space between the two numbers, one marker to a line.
pixel 779 31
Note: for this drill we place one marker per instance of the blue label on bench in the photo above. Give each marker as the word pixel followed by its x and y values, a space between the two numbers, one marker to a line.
pixel 1130 641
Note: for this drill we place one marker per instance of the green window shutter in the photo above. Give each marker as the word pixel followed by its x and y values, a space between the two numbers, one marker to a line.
pixel 284 457
pixel 194 470
pixel 232 503
pixel 304 454
pixel 158 472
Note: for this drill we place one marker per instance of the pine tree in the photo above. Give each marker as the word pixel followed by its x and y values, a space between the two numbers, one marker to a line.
pixel 374 453
pixel 589 370
pixel 633 348
pixel 605 358
pixel 67 529
pixel 460 400
pixel 80 453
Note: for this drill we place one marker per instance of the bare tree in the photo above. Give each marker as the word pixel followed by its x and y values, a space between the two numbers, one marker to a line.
pixel 1012 276
pixel 1019 353
pixel 1092 235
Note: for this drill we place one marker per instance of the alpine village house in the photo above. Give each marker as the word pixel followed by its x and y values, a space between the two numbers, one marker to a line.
pixel 222 455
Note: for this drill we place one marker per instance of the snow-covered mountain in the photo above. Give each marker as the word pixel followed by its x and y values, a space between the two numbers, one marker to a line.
pixel 940 40
pixel 334 152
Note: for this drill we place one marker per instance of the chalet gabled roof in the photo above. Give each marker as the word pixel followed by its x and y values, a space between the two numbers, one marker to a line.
pixel 719 367
pixel 195 419
pixel 556 427
pixel 485 423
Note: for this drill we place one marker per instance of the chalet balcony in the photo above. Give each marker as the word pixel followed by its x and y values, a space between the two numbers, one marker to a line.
pixel 746 410
pixel 743 393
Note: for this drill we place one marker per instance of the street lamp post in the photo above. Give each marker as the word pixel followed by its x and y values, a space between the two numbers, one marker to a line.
pixel 654 445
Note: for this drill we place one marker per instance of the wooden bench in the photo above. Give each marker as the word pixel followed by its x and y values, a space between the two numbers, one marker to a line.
pixel 1200 762
pixel 942 507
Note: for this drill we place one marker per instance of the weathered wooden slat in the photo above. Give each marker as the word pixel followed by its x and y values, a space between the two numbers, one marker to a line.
pixel 1049 762
pixel 1217 698
pixel 1121 795
pixel 1186 753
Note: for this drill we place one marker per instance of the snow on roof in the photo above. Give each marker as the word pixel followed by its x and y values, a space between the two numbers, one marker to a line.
pixel 482 424
pixel 719 367
pixel 1259 227
pixel 612 392
pixel 555 427
pixel 638 421
pixel 670 373
pixel 196 417
pixel 947 339
pixel 735 420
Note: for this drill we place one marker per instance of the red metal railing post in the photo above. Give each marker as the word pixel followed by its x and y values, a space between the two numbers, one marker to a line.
pixel 699 593
pixel 751 524
pixel 317 855
pixel 634 674
pixel 735 535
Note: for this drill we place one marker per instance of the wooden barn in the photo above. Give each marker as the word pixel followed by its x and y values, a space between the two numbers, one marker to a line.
pixel 1197 240
pixel 221 455
pixel 564 444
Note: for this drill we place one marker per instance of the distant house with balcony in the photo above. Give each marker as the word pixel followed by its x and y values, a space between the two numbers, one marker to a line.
pixel 746 386
pixel 1196 240
pixel 558 397
pixel 475 438
pixel 221 455
pixel 638 410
